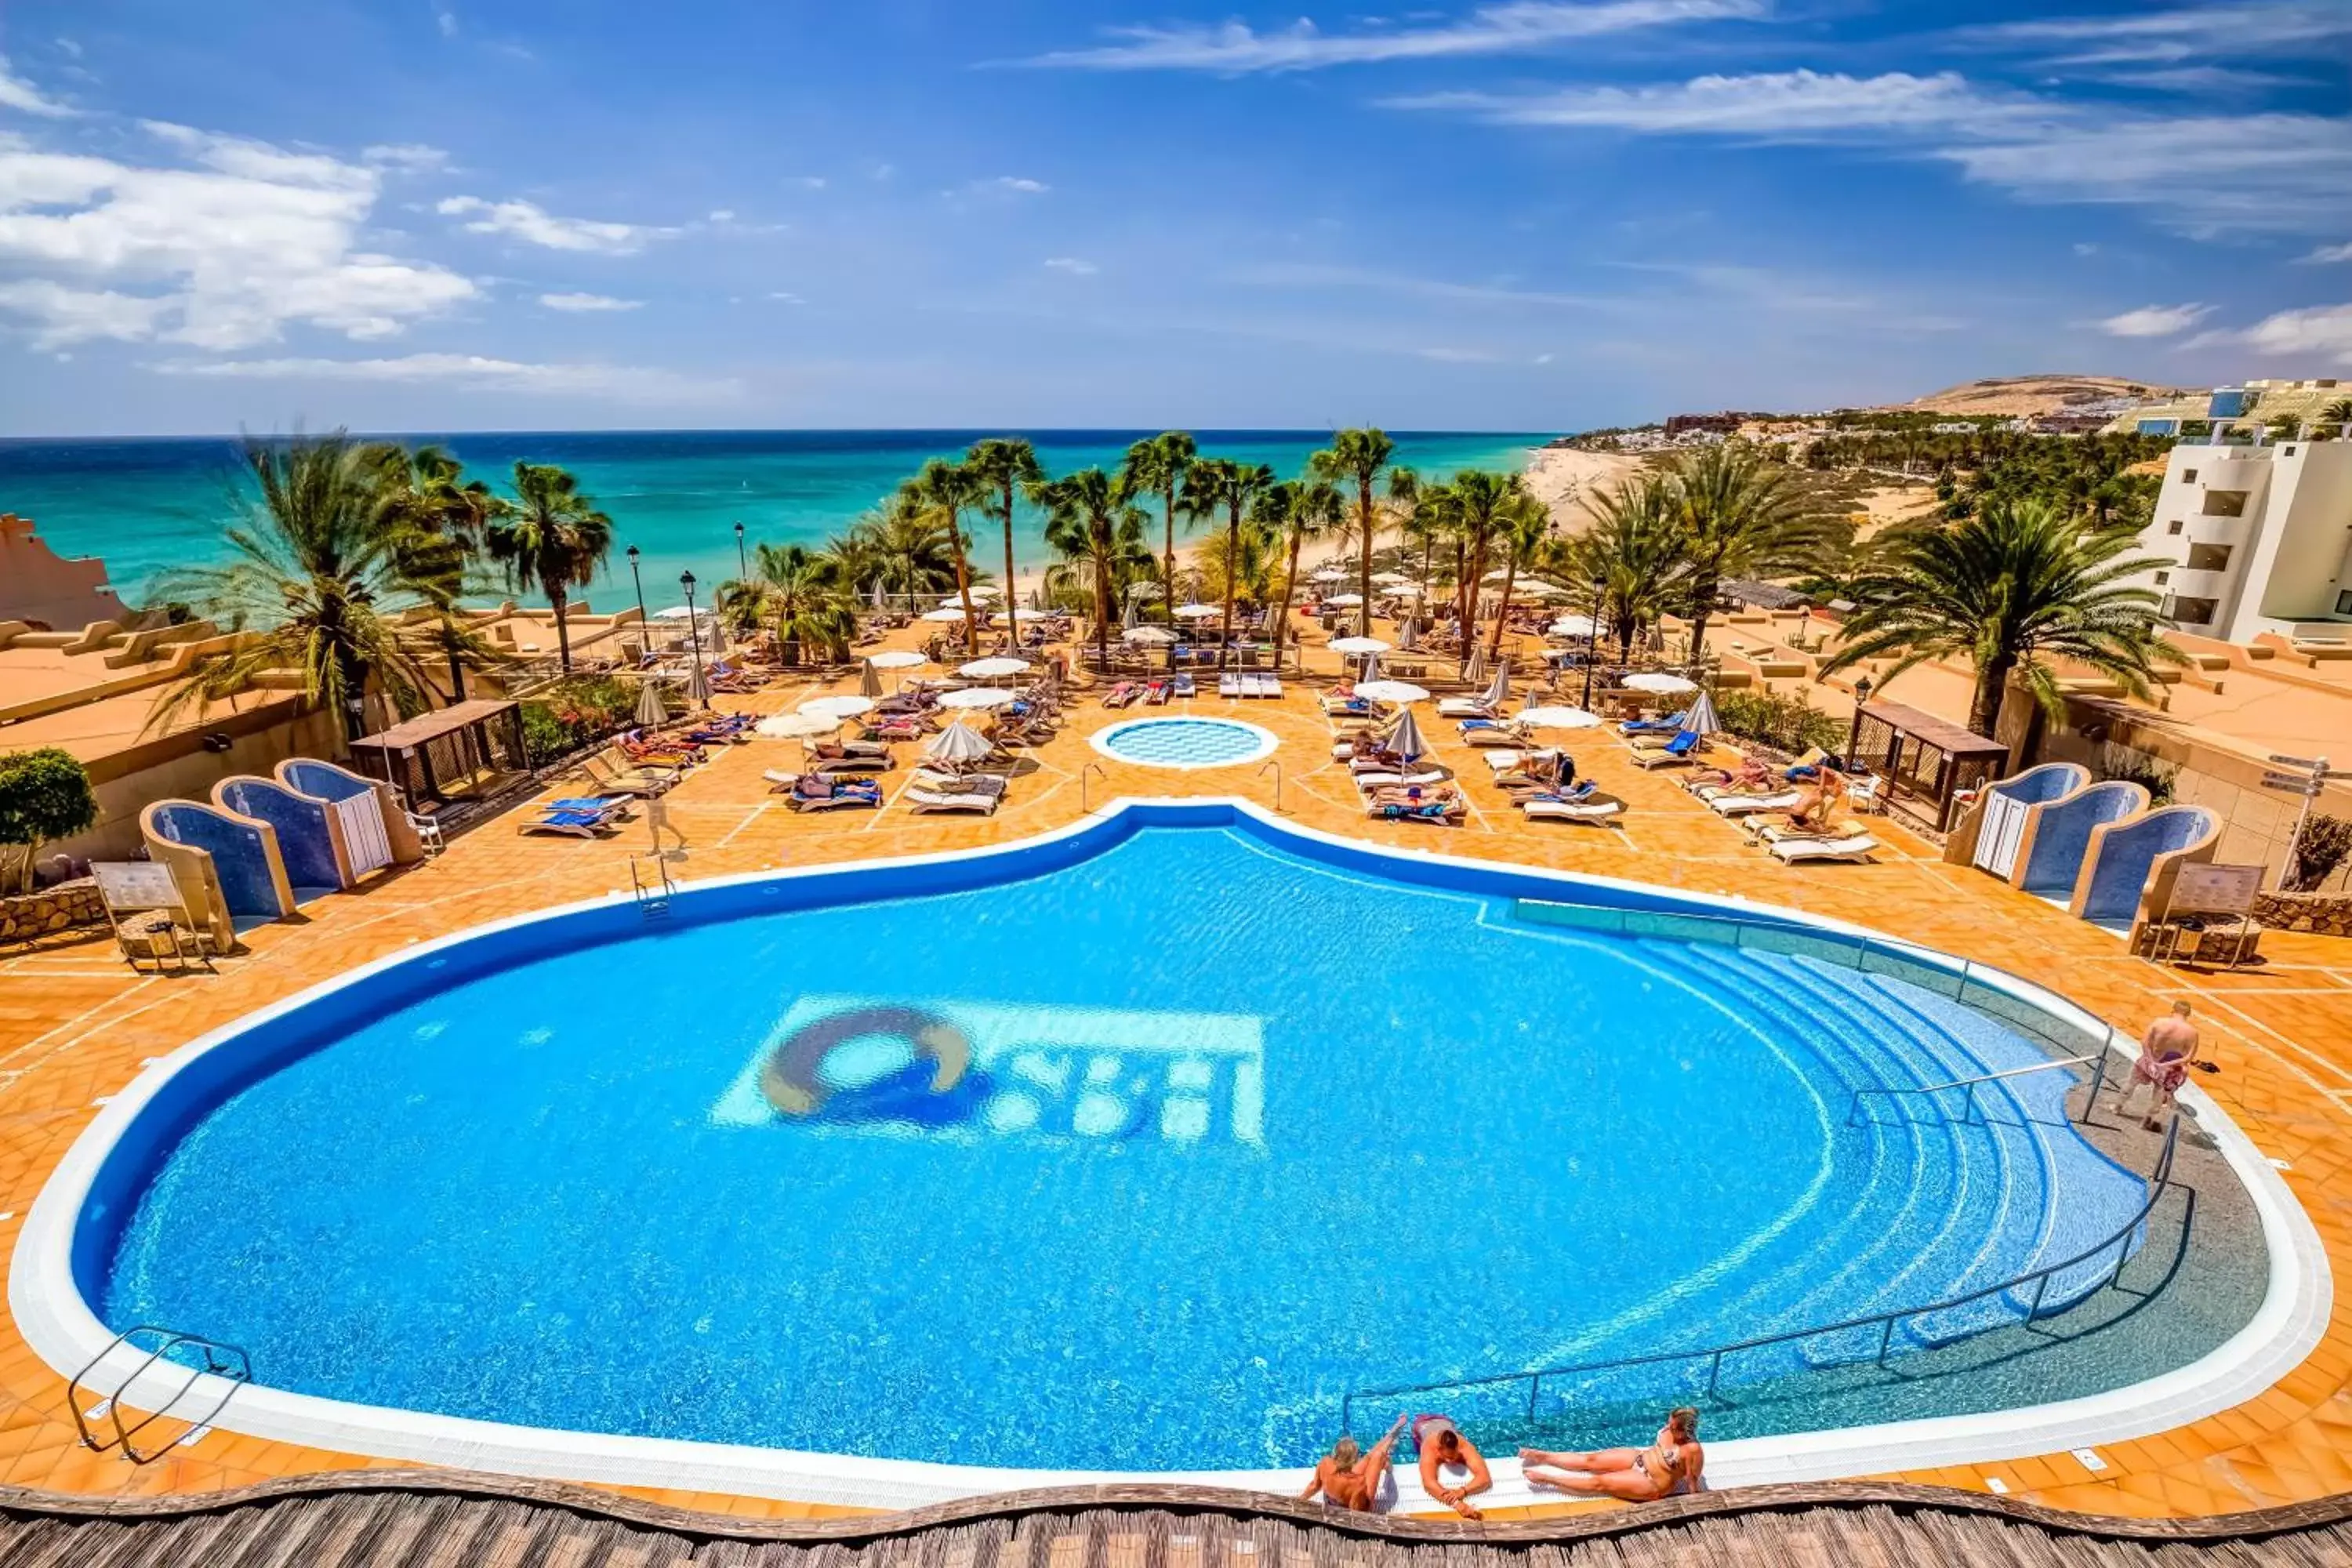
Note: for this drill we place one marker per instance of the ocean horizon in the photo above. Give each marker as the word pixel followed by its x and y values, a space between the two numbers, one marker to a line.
pixel 145 504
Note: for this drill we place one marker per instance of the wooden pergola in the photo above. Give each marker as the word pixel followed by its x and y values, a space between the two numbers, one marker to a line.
pixel 421 756
pixel 1923 758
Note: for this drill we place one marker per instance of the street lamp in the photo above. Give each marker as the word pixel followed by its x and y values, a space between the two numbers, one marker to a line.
pixel 742 566
pixel 1854 735
pixel 644 631
pixel 694 631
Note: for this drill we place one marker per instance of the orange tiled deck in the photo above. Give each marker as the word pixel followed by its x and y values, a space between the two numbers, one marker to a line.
pixel 75 1026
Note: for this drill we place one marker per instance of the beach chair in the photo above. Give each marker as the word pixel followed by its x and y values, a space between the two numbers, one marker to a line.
pixel 614 807
pixel 609 778
pixel 1585 806
pixel 1155 694
pixel 923 800
pixel 818 792
pixel 961 784
pixel 1742 805
pixel 1667 725
pixel 1677 753
pixel 1444 813
pixel 1120 695
pixel 568 823
pixel 1486 732
pixel 1229 685
pixel 1854 847
pixel 852 759
pixel 1465 708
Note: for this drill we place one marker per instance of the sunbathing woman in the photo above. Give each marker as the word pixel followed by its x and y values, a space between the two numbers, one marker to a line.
pixel 1673 1465
pixel 1352 1477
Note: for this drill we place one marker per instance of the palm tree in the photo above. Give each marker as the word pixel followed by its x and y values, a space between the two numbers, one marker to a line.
pixel 909 547
pixel 804 590
pixel 2019 583
pixel 1157 466
pixel 1213 482
pixel 1475 505
pixel 320 578
pixel 552 537
pixel 1098 532
pixel 1357 457
pixel 1634 553
pixel 446 517
pixel 2338 413
pixel 1297 510
pixel 1526 529
pixel 1741 517
pixel 944 490
pixel 1003 467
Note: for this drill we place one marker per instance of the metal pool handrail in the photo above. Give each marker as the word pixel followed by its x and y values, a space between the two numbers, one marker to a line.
pixel 2159 1182
pixel 1969 1084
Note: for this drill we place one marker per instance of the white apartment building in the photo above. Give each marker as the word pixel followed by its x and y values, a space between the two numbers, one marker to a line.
pixel 2255 538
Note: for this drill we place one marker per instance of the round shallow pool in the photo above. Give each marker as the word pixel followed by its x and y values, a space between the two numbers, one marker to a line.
pixel 1174 742
pixel 1138 1147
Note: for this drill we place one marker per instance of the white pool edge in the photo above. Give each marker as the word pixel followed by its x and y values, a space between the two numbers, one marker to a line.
pixel 55 1320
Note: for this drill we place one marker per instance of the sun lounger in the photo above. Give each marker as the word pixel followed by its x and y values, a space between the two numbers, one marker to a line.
pixel 1480 733
pixel 608 776
pixel 1120 695
pixel 1664 726
pixel 1156 693
pixel 1229 686
pixel 1438 811
pixel 1367 783
pixel 1584 806
pixel 1856 847
pixel 854 759
pixel 612 806
pixel 837 793
pixel 961 783
pixel 1465 708
pixel 1185 685
pixel 921 800
pixel 569 824
pixel 1675 754
pixel 1742 805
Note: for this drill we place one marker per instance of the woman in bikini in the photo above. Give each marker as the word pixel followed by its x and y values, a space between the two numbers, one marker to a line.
pixel 1669 1466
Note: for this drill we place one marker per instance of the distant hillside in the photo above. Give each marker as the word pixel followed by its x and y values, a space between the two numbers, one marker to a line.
pixel 2029 395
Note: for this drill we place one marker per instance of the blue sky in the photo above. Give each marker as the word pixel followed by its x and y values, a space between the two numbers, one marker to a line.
pixel 1534 215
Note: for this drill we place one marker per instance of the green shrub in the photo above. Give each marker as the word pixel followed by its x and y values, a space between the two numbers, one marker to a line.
pixel 1785 723
pixel 572 712
pixel 2325 841
pixel 43 795
pixel 2130 767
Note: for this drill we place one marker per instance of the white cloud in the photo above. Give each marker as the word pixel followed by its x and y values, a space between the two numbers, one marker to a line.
pixel 1011 185
pixel 587 302
pixel 1077 267
pixel 405 157
pixel 782 298
pixel 22 96
pixel 2195 174
pixel 2154 320
pixel 624 384
pixel 722 215
pixel 224 254
pixel 2327 253
pixel 2323 330
pixel 2268 27
pixel 1235 49
pixel 534 224
pixel 446 20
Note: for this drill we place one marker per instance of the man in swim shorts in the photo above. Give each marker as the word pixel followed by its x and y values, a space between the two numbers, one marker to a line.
pixel 1443 1446
pixel 1353 1479
pixel 2167 1052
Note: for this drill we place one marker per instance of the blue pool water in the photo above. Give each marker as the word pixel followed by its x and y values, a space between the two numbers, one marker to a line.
pixel 1186 742
pixel 1141 1162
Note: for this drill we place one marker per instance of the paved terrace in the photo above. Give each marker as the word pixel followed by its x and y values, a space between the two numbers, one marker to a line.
pixel 76 1026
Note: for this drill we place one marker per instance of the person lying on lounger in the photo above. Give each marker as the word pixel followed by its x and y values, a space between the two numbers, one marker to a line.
pixel 1350 1477
pixel 1673 1465
pixel 1443 1446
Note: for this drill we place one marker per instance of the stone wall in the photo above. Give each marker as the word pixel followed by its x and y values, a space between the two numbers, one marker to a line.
pixel 2327 914
pixel 66 905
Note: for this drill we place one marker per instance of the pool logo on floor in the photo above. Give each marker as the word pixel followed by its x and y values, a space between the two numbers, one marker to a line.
pixel 974 1069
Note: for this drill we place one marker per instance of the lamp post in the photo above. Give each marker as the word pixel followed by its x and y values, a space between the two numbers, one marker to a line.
pixel 1592 640
pixel 742 566
pixel 644 631
pixel 1854 735
pixel 693 632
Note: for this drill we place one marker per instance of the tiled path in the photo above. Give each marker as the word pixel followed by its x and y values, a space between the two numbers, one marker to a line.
pixel 75 1027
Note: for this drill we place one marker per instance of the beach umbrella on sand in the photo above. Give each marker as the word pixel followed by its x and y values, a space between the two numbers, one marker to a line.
pixel 1572 626
pixel 1148 634
pixel 958 743
pixel 1198 612
pixel 1345 601
pixel 848 706
pixel 980 697
pixel 993 668
pixel 650 711
pixel 1353 646
pixel 945 612
pixel 1559 717
pixel 1663 684
pixel 1405 739
pixel 1701 720
pixel 1408 633
pixel 895 659
pixel 869 679
pixel 797 726
pixel 1474 668
pixel 697 685
pixel 1390 690
pixel 983 591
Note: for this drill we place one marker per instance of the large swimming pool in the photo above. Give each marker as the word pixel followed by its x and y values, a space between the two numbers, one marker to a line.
pixel 1138 1152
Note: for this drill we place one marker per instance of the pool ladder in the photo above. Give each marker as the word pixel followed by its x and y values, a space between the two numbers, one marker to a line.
pixel 652 897
pixel 101 1425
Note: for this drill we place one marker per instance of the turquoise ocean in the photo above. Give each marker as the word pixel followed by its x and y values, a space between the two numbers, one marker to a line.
pixel 147 505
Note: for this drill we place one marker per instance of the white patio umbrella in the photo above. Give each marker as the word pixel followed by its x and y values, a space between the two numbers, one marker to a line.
pixel 1390 690
pixel 1371 670
pixel 1664 685
pixel 881 600
pixel 1345 601
pixel 1474 668
pixel 1559 717
pixel 1353 646
pixel 1499 690
pixel 797 726
pixel 1331 574
pixel 958 743
pixel 650 711
pixel 1406 738
pixel 1572 626
pixel 1128 618
pixel 697 685
pixel 869 679
pixel 1408 633
pixel 945 612
pixel 984 591
pixel 1198 612
pixel 1701 719
pixel 980 697
pixel 993 668
pixel 895 659
pixel 1391 578
pixel 847 706
pixel 1148 634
